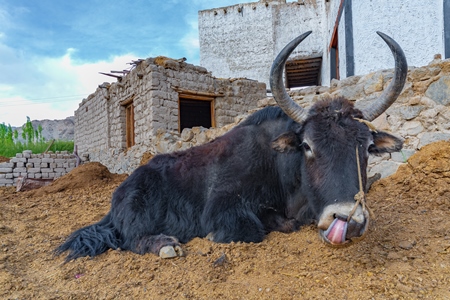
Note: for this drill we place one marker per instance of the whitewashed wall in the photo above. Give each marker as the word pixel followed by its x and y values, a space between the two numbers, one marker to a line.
pixel 242 40
pixel 416 25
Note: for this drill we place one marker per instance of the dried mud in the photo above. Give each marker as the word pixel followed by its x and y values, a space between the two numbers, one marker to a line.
pixel 406 254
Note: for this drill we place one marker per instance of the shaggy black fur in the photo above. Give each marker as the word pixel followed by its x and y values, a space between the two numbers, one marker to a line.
pixel 254 179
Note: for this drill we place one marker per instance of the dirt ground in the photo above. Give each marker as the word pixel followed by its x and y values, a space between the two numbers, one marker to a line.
pixel 406 254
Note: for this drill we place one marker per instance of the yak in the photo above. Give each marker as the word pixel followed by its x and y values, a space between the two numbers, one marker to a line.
pixel 279 169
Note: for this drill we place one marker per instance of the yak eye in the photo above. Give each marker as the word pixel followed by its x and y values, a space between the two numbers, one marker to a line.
pixel 306 147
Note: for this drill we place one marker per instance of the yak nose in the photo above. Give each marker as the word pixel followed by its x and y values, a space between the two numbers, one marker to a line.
pixel 336 230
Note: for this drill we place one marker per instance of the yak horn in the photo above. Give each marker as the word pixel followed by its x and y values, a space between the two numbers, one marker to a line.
pixel 292 109
pixel 394 89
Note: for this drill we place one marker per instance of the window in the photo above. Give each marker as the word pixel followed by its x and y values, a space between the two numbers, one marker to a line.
pixel 195 110
pixel 303 72
pixel 129 122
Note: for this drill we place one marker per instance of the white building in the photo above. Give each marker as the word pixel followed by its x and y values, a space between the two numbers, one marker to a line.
pixel 242 40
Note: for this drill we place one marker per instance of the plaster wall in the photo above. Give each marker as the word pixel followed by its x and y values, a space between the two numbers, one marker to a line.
pixel 242 40
pixel 416 25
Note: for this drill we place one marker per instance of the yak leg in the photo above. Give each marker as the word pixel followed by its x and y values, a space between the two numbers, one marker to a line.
pixel 227 219
pixel 162 245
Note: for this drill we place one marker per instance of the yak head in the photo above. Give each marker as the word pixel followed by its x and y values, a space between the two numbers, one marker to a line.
pixel 336 139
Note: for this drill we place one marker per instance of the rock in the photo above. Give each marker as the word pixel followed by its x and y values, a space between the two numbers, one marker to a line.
pixel 202 138
pixel 406 112
pixel 170 252
pixel 424 73
pixel 374 84
pixel 406 245
pixel 187 135
pixel 402 156
pixel 431 137
pixel 439 91
pixel 351 92
pixel 385 168
pixel 412 128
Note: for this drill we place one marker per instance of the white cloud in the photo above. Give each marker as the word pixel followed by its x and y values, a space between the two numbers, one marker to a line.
pixel 190 41
pixel 50 88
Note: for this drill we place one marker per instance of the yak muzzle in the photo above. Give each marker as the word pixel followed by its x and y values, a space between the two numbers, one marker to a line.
pixel 334 228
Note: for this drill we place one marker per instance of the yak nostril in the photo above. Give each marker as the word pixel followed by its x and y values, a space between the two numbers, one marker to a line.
pixel 354 229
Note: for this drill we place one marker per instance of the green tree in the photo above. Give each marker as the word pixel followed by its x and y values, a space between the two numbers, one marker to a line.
pixel 28 133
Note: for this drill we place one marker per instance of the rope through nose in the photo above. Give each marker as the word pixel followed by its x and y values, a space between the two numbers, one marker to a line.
pixel 360 197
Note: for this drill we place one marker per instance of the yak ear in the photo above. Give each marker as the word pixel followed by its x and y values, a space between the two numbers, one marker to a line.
pixel 384 142
pixel 286 142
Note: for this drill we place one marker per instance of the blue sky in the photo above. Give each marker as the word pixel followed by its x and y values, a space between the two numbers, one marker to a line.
pixel 51 51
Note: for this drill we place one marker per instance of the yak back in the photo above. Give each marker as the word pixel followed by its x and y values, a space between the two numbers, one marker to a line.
pixel 241 161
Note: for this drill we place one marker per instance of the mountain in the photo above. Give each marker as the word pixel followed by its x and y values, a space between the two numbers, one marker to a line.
pixel 53 129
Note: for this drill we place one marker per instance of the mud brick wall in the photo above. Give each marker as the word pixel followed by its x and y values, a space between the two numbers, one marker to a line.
pixel 29 165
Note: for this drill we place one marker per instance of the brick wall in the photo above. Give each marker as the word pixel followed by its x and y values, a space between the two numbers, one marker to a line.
pixel 29 165
pixel 154 87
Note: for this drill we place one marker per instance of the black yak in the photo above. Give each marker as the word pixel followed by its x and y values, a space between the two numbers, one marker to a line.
pixel 281 168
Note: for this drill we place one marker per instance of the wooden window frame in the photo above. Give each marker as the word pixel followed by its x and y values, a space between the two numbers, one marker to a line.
pixel 128 107
pixel 197 97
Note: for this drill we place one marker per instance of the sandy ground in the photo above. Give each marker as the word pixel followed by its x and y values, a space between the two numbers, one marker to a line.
pixel 406 254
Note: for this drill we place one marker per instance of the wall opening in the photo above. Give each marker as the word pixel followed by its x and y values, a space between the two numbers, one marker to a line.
pixel 303 72
pixel 334 57
pixel 194 110
pixel 128 108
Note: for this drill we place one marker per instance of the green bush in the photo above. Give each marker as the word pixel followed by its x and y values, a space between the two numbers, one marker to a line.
pixel 34 141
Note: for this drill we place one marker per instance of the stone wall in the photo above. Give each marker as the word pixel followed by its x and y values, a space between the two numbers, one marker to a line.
pixel 29 165
pixel 421 114
pixel 154 88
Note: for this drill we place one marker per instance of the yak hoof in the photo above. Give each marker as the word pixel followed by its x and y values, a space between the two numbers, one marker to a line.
pixel 210 237
pixel 170 252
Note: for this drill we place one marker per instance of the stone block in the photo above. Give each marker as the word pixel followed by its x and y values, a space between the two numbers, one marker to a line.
pixel 403 155
pixel 35 160
pixel 19 159
pixel 385 168
pixel 439 91
pixel 431 137
pixel 47 160
pixel 6 165
pixel 6 170
pixel 34 170
pixel 6 181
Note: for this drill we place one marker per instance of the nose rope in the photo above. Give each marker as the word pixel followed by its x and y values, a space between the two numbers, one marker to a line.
pixel 360 197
